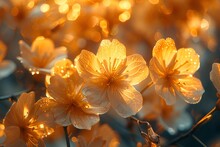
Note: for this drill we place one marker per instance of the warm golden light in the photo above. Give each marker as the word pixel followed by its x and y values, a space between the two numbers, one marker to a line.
pixel 25 112
pixel 63 8
pixel 125 5
pixel 204 24
pixel 74 12
pixel 154 2
pixel 44 8
pixel 124 16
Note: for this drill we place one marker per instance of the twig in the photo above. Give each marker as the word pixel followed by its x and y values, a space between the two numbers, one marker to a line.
pixel 198 140
pixel 150 136
pixel 66 136
pixel 193 129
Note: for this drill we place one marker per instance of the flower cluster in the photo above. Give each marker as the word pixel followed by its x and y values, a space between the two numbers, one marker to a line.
pixel 78 92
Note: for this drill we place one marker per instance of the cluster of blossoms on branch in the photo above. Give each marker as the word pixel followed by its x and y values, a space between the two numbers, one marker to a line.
pixel 78 91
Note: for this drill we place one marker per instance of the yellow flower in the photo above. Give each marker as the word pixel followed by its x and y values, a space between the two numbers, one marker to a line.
pixel 109 77
pixel 172 72
pixel 70 105
pixel 98 136
pixel 41 56
pixel 214 76
pixel 26 123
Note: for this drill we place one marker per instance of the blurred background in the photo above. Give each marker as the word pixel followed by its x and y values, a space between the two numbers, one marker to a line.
pixel 138 24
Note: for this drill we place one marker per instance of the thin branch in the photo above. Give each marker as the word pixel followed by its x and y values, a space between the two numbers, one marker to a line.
pixel 193 129
pixel 198 140
pixel 66 136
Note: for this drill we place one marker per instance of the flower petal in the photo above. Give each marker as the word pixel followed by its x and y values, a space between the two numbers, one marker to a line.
pixel 187 61
pixel 61 115
pixel 59 53
pixel 215 76
pixel 136 69
pixel 164 51
pixel 87 65
pixel 126 101
pixel 110 51
pixel 42 46
pixel 25 52
pixel 13 137
pixel 166 92
pixel 20 109
pixel 58 89
pixel 189 89
pixel 82 120
pixel 96 95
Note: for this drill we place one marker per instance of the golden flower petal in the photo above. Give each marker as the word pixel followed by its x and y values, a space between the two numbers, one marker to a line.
pixel 96 95
pixel 166 92
pixel 57 89
pixel 82 120
pixel 137 69
pixel 111 50
pixel 42 46
pixel 215 76
pixel 189 89
pixel 87 65
pixel 164 51
pixel 61 115
pixel 13 137
pixel 187 61
pixel 25 52
pixel 20 109
pixel 125 100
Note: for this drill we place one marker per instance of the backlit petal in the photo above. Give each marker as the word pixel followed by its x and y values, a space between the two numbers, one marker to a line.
pixel 96 95
pixel 87 65
pixel 187 61
pixel 137 69
pixel 164 51
pixel 82 120
pixel 25 52
pixel 190 89
pixel 126 100
pixel 42 46
pixel 215 76
pixel 166 92
pixel 110 50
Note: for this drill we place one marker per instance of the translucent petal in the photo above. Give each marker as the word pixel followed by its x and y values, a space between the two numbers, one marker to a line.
pixel 164 51
pixel 125 100
pixel 157 71
pixel 82 120
pixel 20 109
pixel 165 91
pixel 187 61
pixel 189 89
pixel 215 76
pixel 42 46
pixel 59 53
pixel 111 50
pixel 25 52
pixel 96 95
pixel 62 115
pixel 137 69
pixel 58 89
pixel 87 65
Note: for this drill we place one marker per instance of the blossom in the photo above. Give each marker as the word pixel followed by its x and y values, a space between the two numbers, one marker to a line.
pixel 70 105
pixel 26 123
pixel 109 77
pixel 172 72
pixel 214 76
pixel 41 56
pixel 171 117
pixel 99 135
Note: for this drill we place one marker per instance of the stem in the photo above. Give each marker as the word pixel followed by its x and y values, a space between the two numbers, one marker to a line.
pixel 193 129
pixel 146 87
pixel 66 136
pixel 197 139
